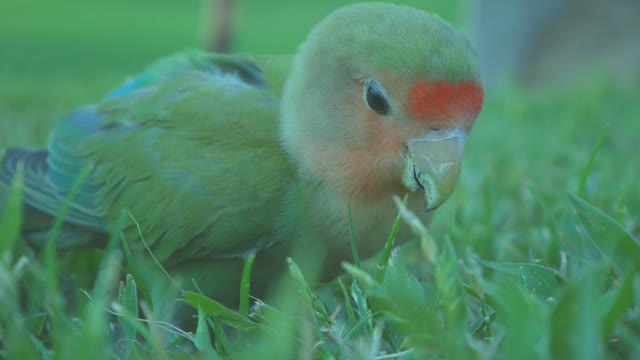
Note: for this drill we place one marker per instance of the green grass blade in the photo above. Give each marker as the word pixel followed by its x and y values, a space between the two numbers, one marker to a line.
pixel 451 289
pixel 351 317
pixel 427 242
pixel 582 186
pixel 535 278
pixel 576 331
pixel 320 317
pixel 134 269
pixel 60 322
pixel 614 242
pixel 362 304
pixel 11 219
pixel 203 338
pixel 218 311
pixel 245 285
pixel 50 247
pixel 617 302
pixel 352 236
pixel 128 299
pixel 222 342
pixel 388 246
pixel 524 317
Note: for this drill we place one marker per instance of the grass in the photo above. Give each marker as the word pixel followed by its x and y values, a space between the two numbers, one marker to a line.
pixel 535 255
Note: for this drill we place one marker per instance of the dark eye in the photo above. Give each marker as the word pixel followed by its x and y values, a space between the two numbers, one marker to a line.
pixel 375 97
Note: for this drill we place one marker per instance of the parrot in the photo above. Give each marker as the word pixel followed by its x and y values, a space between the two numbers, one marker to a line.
pixel 214 157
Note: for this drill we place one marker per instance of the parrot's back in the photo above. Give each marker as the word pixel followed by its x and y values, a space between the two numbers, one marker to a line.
pixel 189 152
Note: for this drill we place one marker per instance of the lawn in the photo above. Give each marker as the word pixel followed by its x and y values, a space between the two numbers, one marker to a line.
pixel 536 254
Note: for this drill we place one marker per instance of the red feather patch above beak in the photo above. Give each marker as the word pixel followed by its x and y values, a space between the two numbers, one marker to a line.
pixel 443 101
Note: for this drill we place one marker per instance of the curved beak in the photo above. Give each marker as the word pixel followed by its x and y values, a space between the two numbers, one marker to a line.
pixel 433 165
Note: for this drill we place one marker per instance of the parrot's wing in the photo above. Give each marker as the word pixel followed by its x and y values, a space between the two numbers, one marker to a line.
pixel 193 154
pixel 42 202
pixel 189 61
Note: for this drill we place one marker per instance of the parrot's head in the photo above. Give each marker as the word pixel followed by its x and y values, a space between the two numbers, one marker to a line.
pixel 380 101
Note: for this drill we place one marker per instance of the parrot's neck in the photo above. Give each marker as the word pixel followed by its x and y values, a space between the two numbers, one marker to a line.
pixel 326 214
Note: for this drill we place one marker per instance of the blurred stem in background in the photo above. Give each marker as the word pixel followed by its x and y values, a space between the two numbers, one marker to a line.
pixel 557 42
pixel 219 25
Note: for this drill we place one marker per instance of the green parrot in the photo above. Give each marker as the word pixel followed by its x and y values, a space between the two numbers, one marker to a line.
pixel 215 156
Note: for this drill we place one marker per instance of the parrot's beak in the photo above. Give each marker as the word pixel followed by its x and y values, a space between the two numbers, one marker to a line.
pixel 433 165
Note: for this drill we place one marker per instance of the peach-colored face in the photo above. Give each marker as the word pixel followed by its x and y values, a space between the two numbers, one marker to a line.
pixel 371 164
pixel 374 167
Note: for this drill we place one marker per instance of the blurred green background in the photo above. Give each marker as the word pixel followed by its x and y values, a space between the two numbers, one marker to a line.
pixel 58 55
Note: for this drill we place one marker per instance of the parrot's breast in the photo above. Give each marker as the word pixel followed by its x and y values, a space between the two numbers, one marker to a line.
pixel 372 224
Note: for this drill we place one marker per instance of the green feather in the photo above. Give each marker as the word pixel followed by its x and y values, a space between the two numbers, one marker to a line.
pixel 191 162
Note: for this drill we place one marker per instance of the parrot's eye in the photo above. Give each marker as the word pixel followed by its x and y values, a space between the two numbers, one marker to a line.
pixel 375 97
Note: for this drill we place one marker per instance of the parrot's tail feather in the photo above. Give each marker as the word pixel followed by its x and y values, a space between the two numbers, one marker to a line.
pixel 42 202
